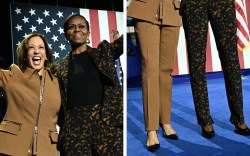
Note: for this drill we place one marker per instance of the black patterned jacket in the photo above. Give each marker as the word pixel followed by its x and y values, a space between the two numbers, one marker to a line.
pixel 104 57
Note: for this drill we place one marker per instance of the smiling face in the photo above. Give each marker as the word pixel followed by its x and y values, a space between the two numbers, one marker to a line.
pixel 77 32
pixel 36 56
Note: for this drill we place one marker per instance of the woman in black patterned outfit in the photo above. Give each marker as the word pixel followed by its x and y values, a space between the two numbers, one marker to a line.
pixel 92 100
pixel 221 14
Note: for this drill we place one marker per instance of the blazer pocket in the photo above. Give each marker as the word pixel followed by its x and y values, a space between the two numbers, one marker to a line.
pixel 145 1
pixel 53 136
pixel 10 127
pixel 177 4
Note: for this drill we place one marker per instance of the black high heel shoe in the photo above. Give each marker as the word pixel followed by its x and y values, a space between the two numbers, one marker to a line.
pixel 171 136
pixel 208 134
pixel 153 148
pixel 240 131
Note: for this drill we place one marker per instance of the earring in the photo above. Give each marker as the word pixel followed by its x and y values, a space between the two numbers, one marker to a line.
pixel 46 59
pixel 87 41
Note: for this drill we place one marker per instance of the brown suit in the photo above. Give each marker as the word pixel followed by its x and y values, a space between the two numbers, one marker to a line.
pixel 22 93
pixel 158 32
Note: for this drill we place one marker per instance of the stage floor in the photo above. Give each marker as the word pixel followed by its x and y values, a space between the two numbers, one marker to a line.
pixel 183 120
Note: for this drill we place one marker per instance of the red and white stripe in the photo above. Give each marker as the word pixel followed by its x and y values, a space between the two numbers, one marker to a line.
pixel 100 29
pixel 242 25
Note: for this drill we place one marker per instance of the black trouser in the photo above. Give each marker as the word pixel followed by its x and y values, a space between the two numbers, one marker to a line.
pixel 221 14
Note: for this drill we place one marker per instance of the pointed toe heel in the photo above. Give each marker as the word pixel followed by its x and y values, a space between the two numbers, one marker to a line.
pixel 208 134
pixel 153 148
pixel 170 136
pixel 240 131
pixel 156 145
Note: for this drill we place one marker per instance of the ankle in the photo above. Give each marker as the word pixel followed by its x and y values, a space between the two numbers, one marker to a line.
pixel 242 126
pixel 207 128
pixel 168 129
pixel 152 138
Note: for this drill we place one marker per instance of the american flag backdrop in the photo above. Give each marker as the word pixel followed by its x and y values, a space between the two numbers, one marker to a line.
pixel 48 20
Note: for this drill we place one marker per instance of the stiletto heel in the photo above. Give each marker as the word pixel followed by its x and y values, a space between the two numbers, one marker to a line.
pixel 153 148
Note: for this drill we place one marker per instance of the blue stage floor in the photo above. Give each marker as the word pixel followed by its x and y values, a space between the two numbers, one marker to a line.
pixel 183 120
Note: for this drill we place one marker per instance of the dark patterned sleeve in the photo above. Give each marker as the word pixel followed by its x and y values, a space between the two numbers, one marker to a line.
pixel 54 69
pixel 115 48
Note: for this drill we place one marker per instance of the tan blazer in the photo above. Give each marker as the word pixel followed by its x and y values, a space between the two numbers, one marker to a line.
pixel 156 11
pixel 23 92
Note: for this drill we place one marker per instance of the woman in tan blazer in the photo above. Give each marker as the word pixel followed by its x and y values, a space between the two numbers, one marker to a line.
pixel 33 102
pixel 158 32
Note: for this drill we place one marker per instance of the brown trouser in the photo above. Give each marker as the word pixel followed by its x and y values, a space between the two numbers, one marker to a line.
pixel 158 46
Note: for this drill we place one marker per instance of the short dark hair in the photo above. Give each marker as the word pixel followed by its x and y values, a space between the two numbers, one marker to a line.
pixel 66 23
pixel 22 51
